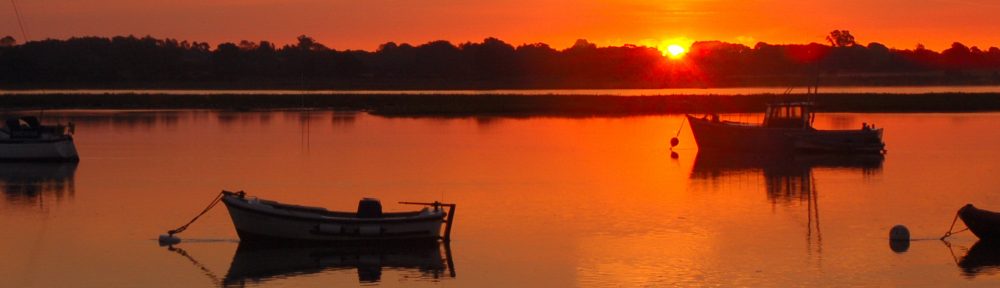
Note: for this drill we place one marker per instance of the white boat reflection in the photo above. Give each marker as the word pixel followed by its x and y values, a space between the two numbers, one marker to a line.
pixel 256 264
pixel 30 183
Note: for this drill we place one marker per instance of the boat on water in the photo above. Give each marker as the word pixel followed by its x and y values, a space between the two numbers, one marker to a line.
pixel 787 127
pixel 26 139
pixel 260 220
pixel 984 223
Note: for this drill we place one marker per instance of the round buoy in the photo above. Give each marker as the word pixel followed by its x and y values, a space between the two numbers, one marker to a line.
pixel 674 155
pixel 674 141
pixel 899 239
pixel 167 239
pixel 899 233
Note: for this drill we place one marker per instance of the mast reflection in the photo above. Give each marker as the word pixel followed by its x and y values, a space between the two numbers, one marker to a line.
pixel 31 183
pixel 788 177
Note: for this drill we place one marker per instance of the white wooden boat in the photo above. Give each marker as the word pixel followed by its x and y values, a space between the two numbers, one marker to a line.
pixel 259 220
pixel 26 139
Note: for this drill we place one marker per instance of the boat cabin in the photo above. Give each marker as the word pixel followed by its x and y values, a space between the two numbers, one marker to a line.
pixel 796 115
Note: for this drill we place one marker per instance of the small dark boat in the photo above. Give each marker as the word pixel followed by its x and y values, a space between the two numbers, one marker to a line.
pixel 787 127
pixel 259 220
pixel 985 224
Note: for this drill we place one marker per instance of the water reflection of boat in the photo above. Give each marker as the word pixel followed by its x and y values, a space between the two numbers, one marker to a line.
pixel 786 127
pixel 29 182
pixel 983 257
pixel 25 138
pixel 984 223
pixel 786 175
pixel 255 264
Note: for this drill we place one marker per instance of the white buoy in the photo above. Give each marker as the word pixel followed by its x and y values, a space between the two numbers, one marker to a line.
pixel 167 239
pixel 899 233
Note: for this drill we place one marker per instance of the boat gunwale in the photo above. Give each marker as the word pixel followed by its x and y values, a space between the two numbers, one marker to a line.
pixel 243 204
pixel 734 124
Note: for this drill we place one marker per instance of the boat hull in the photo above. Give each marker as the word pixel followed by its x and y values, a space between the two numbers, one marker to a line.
pixel 59 149
pixel 985 224
pixel 256 221
pixel 739 137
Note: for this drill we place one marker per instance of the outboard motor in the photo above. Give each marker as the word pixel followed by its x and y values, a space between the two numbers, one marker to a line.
pixel 369 208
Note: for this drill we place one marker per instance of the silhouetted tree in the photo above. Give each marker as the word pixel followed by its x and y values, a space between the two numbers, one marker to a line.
pixel 129 61
pixel 7 41
pixel 840 38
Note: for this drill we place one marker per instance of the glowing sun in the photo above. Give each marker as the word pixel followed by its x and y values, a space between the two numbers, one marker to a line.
pixel 675 51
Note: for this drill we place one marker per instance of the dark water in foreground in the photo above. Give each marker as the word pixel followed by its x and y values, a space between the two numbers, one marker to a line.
pixel 543 202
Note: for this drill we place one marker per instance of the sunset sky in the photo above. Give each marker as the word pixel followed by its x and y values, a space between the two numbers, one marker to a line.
pixel 366 24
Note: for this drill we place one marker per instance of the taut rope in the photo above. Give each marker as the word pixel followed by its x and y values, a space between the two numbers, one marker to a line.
pixel 218 198
pixel 949 233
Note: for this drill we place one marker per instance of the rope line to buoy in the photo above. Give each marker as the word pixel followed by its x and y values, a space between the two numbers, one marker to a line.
pixel 681 127
pixel 949 233
pixel 218 198
pixel 205 270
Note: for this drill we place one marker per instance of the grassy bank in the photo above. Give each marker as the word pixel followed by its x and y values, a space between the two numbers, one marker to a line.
pixel 461 105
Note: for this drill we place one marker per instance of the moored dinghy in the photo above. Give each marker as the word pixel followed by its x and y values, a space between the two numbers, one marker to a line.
pixel 984 223
pixel 260 220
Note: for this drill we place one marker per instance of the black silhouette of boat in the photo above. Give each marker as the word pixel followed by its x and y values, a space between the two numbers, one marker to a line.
pixel 786 127
pixel 984 223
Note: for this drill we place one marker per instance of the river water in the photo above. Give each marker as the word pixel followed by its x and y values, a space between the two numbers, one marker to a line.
pixel 542 202
pixel 531 92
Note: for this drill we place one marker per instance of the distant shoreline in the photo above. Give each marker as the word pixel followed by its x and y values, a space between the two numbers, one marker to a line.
pixel 512 104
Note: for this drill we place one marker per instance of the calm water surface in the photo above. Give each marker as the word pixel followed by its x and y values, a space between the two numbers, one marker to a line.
pixel 543 202
pixel 529 92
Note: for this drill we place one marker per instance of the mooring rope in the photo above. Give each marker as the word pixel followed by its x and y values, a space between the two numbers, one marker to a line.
pixel 218 198
pixel 949 233
pixel 681 127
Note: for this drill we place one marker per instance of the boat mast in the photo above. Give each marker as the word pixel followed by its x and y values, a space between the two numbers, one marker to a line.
pixel 19 22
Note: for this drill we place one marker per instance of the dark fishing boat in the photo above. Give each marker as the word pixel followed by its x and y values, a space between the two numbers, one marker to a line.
pixel 984 223
pixel 259 220
pixel 786 127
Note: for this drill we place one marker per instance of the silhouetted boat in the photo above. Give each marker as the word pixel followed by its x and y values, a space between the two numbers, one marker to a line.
pixel 257 264
pixel 985 224
pixel 25 138
pixel 786 127
pixel 259 220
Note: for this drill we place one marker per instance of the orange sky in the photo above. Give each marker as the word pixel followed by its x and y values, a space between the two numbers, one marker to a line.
pixel 365 24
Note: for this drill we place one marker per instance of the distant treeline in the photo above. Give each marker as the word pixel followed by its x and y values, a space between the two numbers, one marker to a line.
pixel 132 62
